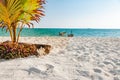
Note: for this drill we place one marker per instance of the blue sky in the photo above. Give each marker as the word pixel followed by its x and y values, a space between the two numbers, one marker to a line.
pixel 81 14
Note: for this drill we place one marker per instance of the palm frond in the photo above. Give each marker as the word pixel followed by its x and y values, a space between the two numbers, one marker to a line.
pixel 32 10
pixel 14 8
pixel 13 12
pixel 4 15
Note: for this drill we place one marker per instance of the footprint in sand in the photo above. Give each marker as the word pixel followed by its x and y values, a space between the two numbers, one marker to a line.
pixel 49 68
pixel 109 64
pixel 96 77
pixel 83 73
pixel 116 78
pixel 115 72
pixel 36 72
pixel 40 73
pixel 97 70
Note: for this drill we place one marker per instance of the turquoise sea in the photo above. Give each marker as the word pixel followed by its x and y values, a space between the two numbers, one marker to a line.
pixel 37 32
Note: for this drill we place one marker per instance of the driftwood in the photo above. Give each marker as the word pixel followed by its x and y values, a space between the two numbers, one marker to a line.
pixel 43 49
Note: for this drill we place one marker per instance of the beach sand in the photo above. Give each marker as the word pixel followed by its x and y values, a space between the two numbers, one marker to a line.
pixel 76 58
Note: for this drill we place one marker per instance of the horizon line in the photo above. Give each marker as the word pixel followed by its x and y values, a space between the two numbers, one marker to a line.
pixel 70 28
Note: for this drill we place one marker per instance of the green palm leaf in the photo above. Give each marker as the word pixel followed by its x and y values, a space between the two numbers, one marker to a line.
pixel 4 15
pixel 13 12
pixel 31 10
pixel 14 8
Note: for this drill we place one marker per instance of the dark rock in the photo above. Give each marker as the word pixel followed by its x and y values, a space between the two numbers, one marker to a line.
pixel 70 35
pixel 62 33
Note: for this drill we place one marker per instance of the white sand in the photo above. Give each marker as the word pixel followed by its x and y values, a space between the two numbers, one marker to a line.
pixel 70 59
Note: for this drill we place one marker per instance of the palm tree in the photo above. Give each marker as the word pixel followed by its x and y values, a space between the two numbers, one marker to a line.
pixel 18 13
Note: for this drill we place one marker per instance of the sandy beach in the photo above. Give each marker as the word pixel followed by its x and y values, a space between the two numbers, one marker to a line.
pixel 76 58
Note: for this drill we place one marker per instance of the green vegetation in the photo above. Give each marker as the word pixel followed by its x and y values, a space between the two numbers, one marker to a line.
pixel 17 14
pixel 20 50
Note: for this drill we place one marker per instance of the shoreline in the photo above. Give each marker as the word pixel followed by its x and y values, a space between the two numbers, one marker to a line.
pixel 70 59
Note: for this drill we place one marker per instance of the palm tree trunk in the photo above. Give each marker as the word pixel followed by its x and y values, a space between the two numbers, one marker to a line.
pixel 14 34
pixel 21 27
pixel 10 31
pixel 11 34
pixel 19 34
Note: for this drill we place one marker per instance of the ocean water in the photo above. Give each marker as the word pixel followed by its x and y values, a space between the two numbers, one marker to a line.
pixel 37 32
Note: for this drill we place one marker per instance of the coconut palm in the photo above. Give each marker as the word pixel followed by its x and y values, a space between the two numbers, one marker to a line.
pixel 18 13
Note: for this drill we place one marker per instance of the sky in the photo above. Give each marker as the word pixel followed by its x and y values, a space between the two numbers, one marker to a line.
pixel 81 14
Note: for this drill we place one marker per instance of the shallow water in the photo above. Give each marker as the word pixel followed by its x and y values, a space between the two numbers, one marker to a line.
pixel 77 32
